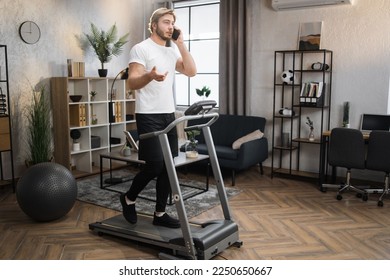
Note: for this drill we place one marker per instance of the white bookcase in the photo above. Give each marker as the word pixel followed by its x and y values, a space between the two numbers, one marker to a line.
pixel 90 118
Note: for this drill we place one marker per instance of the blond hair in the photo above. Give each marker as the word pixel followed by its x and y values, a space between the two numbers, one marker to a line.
pixel 157 14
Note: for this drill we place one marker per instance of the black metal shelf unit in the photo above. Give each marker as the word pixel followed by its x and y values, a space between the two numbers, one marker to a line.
pixel 307 93
pixel 5 119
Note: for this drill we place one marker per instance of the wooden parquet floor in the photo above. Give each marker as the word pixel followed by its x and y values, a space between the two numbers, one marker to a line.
pixel 279 219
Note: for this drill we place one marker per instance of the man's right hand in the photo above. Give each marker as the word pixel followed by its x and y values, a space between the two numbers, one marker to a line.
pixel 140 77
pixel 156 76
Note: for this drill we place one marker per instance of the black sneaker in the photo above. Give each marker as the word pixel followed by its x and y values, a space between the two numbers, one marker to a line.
pixel 128 210
pixel 166 221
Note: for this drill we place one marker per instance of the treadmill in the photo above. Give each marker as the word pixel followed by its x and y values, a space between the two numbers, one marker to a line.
pixel 193 240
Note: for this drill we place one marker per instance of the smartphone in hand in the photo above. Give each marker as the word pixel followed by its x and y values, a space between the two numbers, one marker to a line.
pixel 175 34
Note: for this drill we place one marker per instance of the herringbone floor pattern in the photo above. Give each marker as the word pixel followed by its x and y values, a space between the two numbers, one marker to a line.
pixel 278 219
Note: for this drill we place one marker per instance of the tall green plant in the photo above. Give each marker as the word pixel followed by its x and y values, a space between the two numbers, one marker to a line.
pixel 39 133
pixel 105 43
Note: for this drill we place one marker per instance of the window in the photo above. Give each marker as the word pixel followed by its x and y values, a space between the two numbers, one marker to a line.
pixel 199 22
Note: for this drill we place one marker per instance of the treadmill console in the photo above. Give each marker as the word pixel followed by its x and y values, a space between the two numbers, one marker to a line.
pixel 203 106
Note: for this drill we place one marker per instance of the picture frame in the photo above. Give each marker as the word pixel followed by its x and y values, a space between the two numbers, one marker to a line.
pixel 309 37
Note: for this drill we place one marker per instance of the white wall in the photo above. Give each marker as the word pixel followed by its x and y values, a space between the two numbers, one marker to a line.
pixel 359 38
pixel 59 21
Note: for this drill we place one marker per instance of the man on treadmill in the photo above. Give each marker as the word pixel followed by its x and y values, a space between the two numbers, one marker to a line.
pixel 152 68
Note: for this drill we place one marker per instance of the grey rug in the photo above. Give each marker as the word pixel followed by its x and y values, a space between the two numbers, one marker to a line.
pixel 89 191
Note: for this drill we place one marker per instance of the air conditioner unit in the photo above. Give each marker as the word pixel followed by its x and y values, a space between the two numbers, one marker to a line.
pixel 280 5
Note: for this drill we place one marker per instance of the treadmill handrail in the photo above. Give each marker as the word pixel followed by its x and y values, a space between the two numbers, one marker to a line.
pixel 213 116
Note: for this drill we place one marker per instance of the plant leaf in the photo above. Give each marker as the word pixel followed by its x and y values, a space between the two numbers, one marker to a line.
pixel 39 132
pixel 104 43
pixel 208 91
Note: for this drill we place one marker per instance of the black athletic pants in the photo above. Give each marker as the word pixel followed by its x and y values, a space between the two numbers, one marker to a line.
pixel 150 151
pixel 151 170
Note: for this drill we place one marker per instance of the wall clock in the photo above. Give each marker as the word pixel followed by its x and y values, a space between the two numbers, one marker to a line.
pixel 29 32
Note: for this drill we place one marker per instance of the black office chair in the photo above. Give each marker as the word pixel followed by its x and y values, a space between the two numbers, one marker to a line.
pixel 346 149
pixel 378 158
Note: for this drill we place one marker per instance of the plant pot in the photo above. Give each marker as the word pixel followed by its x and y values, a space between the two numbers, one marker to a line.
pixel 76 147
pixel 191 148
pixel 126 151
pixel 102 72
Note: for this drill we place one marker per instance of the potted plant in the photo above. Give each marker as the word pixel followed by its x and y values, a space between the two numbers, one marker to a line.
pixel 311 126
pixel 104 43
pixel 191 147
pixel 75 134
pixel 92 93
pixel 203 92
pixel 38 129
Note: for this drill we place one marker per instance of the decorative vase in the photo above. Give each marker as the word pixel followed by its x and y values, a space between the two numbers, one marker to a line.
pixel 311 134
pixel 191 149
pixel 285 139
pixel 102 72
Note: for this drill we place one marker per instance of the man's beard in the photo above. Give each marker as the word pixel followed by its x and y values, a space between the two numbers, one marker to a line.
pixel 160 33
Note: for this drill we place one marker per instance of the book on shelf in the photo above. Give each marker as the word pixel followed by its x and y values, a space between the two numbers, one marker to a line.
pixel 305 89
pixel 111 112
pixel 312 89
pixel 118 112
pixel 312 94
pixel 76 68
pixel 115 112
pixel 77 115
pixel 320 89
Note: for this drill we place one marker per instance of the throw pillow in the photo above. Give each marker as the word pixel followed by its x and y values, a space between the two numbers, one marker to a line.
pixel 257 134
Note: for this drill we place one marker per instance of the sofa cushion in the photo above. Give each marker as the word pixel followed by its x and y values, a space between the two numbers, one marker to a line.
pixel 221 151
pixel 229 128
pixel 257 134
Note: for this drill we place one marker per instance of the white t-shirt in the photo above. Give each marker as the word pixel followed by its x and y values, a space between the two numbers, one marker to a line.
pixel 155 97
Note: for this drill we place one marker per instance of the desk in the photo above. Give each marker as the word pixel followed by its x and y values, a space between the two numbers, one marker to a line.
pixel 180 160
pixel 324 157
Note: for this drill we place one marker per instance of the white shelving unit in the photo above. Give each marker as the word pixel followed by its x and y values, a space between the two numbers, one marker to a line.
pixel 90 118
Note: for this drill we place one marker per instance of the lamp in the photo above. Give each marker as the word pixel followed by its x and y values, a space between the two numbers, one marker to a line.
pixel 124 74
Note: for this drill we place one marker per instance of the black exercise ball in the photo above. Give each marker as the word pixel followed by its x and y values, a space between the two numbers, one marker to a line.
pixel 46 191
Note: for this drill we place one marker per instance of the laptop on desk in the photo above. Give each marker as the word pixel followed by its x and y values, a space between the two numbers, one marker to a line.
pixel 370 122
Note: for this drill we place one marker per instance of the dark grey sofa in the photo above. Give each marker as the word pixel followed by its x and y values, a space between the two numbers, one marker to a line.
pixel 226 130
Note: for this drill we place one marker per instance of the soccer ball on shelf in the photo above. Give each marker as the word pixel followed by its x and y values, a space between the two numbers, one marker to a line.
pixel 287 77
